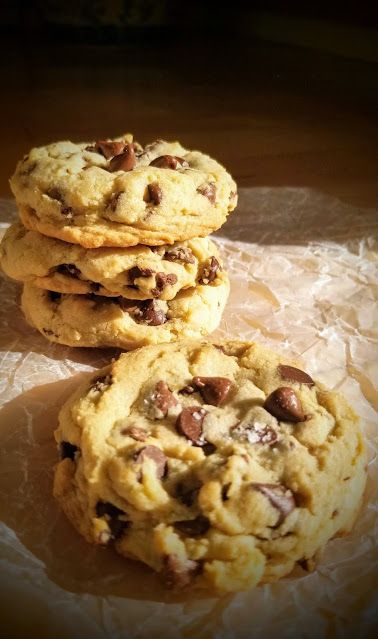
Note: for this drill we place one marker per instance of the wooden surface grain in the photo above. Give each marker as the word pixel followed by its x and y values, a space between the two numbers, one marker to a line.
pixel 273 114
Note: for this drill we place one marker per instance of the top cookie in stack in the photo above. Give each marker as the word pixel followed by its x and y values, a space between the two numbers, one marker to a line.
pixel 112 253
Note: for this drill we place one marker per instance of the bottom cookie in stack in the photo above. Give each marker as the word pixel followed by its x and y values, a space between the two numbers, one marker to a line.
pixel 218 465
pixel 95 320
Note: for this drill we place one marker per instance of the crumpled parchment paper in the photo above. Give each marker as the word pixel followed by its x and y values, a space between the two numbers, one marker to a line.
pixel 303 270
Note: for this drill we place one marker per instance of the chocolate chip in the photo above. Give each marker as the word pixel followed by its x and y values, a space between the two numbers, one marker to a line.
pixel 106 508
pixel 169 162
pixel 157 455
pixel 187 390
pixel 162 280
pixel 214 390
pixel 108 148
pixel 189 423
pixel 67 450
pixel 209 191
pixel 209 448
pixel 136 433
pixel 55 194
pixel 193 527
pixel 136 272
pixel 210 271
pixel 68 269
pixel 125 161
pixel 54 296
pixel 155 194
pixel 143 312
pixel 284 404
pixel 176 574
pixel 307 564
pixel 225 490
pixel 280 497
pixel 187 495
pixel 91 148
pixel 112 513
pixel 293 374
pixel 180 254
pixel 113 202
pixel 162 399
pixel 67 211
pixel 152 314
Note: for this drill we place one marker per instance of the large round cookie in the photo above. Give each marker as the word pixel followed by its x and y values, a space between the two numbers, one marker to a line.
pixel 115 193
pixel 94 320
pixel 216 465
pixel 138 272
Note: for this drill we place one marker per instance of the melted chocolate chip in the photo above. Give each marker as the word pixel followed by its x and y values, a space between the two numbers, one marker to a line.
pixel 284 404
pixel 292 374
pixel 109 148
pixel 176 574
pixel 163 280
pixel 189 423
pixel 152 314
pixel 54 296
pixel 280 497
pixel 55 194
pixel 136 272
pixel 113 202
pixel 155 194
pixel 136 433
pixel 68 269
pixel 106 508
pixel 193 527
pixel 180 254
pixel 111 514
pixel 169 162
pixel 157 455
pixel 214 390
pixel 143 312
pixel 225 490
pixel 210 271
pixel 67 450
pixel 209 191
pixel 162 400
pixel 125 161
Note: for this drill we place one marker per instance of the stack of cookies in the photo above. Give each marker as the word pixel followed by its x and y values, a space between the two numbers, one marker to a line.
pixel 112 248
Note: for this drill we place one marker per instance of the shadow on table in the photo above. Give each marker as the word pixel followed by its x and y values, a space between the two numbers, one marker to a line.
pixel 17 336
pixel 27 458
pixel 289 215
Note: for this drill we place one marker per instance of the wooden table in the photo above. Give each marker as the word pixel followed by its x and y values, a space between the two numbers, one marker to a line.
pixel 273 114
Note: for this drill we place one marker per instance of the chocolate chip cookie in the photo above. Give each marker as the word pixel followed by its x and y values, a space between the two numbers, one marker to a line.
pixel 117 193
pixel 218 465
pixel 96 320
pixel 137 272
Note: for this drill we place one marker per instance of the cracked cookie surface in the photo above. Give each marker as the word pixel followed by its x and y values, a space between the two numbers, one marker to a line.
pixel 137 272
pixel 219 466
pixel 95 320
pixel 116 193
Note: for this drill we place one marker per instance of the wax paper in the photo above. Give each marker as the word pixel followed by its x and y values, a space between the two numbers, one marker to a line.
pixel 303 270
